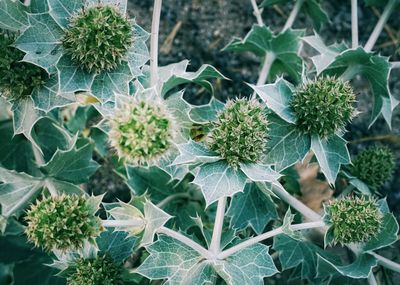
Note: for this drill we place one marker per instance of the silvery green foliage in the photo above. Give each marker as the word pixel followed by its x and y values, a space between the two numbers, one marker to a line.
pixel 53 139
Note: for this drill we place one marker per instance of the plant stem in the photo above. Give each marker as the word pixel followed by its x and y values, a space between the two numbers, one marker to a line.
pixel 379 26
pixel 293 15
pixel 296 204
pixel 386 262
pixel 354 24
pixel 168 199
pixel 395 64
pixel 155 26
pixel 371 279
pixel 187 241
pixel 215 246
pixel 122 223
pixel 40 161
pixel 257 12
pixel 277 231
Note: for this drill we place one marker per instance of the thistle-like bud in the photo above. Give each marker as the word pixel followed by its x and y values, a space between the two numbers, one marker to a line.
pixel 142 131
pixel 323 106
pixel 353 219
pixel 101 270
pixel 63 222
pixel 374 166
pixel 240 133
pixel 17 79
pixel 98 38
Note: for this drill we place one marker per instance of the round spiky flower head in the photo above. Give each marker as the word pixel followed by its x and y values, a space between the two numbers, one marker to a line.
pixel 374 166
pixel 323 106
pixel 17 79
pixel 62 222
pixel 353 219
pixel 240 133
pixel 101 270
pixel 98 38
pixel 142 131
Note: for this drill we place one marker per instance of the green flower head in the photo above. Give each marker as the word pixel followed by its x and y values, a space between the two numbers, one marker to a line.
pixel 240 132
pixel 374 166
pixel 353 219
pixel 142 131
pixel 62 222
pixel 98 38
pixel 17 79
pixel 101 270
pixel 323 106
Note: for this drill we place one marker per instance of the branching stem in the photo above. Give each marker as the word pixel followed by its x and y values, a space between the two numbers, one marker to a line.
pixel 155 27
pixel 386 262
pixel 380 25
pixel 257 12
pixel 354 24
pixel 215 245
pixel 293 15
pixel 304 226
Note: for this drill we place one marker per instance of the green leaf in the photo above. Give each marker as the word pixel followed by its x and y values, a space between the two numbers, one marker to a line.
pixel 376 70
pixel 193 152
pixel 360 268
pixel 15 151
pixel 218 179
pixel 155 219
pixel 39 6
pixel 13 15
pixel 71 77
pixel 138 54
pixel 48 97
pixel 317 15
pixel 286 145
pixel 41 41
pixel 277 97
pixel 74 165
pixel 386 236
pixel 252 208
pixel 259 173
pixel 249 266
pixel 204 114
pixel 331 153
pixel 25 117
pixel 107 84
pixel 267 3
pixel 284 46
pixel 63 10
pixel 173 75
pixel 117 244
pixel 299 255
pixel 172 260
pixel 17 191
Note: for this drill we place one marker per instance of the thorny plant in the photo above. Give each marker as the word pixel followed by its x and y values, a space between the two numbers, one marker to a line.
pixel 76 78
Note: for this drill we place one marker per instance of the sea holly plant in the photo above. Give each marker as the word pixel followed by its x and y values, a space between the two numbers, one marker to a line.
pixel 209 187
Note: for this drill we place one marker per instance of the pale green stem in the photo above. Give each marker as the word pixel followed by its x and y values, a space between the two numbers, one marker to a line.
pixel 257 12
pixel 122 223
pixel 155 27
pixel 187 241
pixel 395 64
pixel 293 15
pixel 215 245
pixel 304 226
pixel 385 262
pixel 380 25
pixel 371 279
pixel 354 24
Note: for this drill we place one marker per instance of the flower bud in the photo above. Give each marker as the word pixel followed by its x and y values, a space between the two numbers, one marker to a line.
pixel 323 106
pixel 142 132
pixel 62 222
pixel 353 220
pixel 98 38
pixel 240 133
pixel 374 166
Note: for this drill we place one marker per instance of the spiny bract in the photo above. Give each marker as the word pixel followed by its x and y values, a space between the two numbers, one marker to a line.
pixel 323 106
pixel 98 38
pixel 17 79
pixel 240 133
pixel 142 132
pixel 353 219
pixel 374 166
pixel 62 222
pixel 101 270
